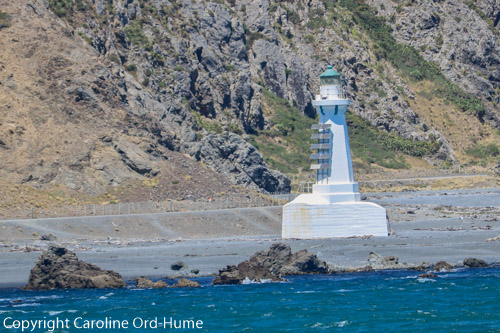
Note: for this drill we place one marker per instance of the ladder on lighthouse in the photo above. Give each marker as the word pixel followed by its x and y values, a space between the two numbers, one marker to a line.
pixel 323 155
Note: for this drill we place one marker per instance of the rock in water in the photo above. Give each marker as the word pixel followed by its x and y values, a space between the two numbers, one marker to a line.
pixel 271 264
pixel 148 284
pixel 303 262
pixel 59 268
pixel 427 275
pixel 442 266
pixel 185 283
pixel 228 275
pixel 475 263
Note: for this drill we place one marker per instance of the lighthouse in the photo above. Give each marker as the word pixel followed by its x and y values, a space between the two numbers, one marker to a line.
pixel 334 208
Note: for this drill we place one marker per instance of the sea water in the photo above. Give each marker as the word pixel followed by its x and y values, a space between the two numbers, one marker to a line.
pixel 392 301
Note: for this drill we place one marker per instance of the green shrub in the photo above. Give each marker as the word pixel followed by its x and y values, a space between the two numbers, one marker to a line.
pixel 375 146
pixel 158 59
pixel 61 7
pixel 293 128
pixel 131 68
pixel 162 84
pixel 252 37
pixel 82 5
pixel 135 34
pixel 309 38
pixel 233 128
pixel 483 151
pixel 4 20
pixel 114 58
pixel 209 126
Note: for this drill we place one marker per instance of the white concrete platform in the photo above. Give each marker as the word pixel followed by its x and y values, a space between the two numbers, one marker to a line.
pixel 341 219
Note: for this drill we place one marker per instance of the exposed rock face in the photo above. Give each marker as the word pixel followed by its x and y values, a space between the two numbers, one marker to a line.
pixel 271 265
pixel 475 263
pixel 185 283
pixel 139 79
pixel 240 161
pixel 59 268
pixel 442 266
pixel 496 169
pixel 148 284
pixel 464 47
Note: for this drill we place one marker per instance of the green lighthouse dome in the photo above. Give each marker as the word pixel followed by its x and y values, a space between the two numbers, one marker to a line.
pixel 329 77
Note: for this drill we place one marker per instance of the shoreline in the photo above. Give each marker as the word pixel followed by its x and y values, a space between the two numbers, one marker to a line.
pixel 426 227
pixel 130 283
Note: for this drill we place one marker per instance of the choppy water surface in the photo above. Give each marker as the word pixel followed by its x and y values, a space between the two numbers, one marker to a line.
pixel 397 301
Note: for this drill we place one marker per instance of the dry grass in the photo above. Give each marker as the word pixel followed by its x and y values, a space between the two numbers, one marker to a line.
pixel 460 128
pixel 450 183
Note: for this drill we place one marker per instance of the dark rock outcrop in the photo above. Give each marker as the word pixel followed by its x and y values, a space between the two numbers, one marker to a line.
pixel 427 275
pixel 185 283
pixel 442 266
pixel 178 265
pixel 142 282
pixel 59 268
pixel 475 263
pixel 271 265
pixel 233 157
pixel 229 275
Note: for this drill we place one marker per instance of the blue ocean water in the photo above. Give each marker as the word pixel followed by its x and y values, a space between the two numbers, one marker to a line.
pixel 393 301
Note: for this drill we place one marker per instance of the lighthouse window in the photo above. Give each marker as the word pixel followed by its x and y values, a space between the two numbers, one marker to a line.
pixel 330 81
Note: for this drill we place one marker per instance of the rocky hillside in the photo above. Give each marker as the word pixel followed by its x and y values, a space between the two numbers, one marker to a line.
pixel 99 92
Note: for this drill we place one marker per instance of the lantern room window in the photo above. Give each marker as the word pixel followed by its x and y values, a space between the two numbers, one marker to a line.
pixel 330 81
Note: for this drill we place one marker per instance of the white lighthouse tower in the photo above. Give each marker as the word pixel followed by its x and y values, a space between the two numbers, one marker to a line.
pixel 333 209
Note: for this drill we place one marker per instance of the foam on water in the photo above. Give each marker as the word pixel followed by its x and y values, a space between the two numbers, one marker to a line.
pixel 461 301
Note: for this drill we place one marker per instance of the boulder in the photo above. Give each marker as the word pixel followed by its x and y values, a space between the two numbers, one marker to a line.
pixel 185 283
pixel 228 275
pixel 195 271
pixel 475 263
pixel 177 266
pixel 59 268
pixel 379 262
pixel 271 265
pixel 142 282
pixel 48 237
pixel 442 266
pixel 303 262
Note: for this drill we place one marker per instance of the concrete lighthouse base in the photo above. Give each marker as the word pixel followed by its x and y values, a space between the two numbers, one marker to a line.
pixel 315 216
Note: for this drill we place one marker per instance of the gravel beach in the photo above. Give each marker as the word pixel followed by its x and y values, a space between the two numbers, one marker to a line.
pixel 426 226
